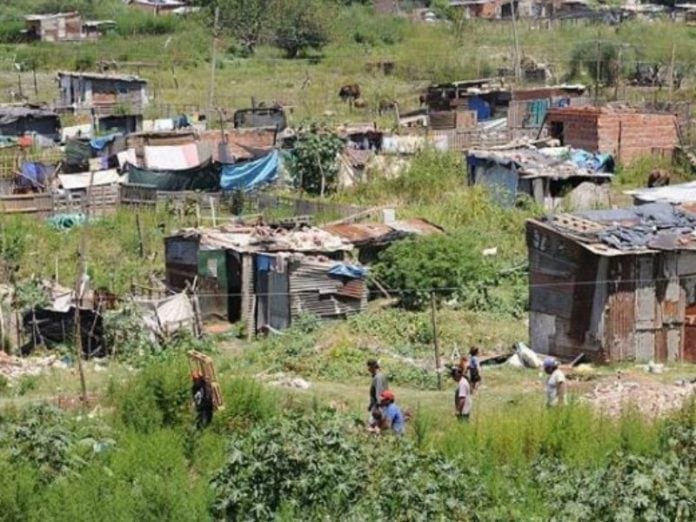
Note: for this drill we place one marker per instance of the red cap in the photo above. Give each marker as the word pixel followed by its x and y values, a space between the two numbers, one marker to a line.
pixel 387 395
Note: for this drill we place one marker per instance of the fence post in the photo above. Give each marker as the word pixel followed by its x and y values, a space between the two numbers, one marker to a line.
pixel 436 344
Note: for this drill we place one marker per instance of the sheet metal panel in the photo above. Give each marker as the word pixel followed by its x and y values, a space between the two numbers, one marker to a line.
pixel 620 312
pixel 645 345
pixel 646 303
pixel 542 331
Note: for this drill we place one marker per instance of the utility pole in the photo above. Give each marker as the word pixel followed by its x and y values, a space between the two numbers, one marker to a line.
pixel 436 342
pixel 80 284
pixel 213 59
pixel 516 41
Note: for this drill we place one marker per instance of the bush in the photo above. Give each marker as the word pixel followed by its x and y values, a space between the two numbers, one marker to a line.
pixel 312 164
pixel 139 23
pixel 300 25
pixel 158 396
pixel 440 263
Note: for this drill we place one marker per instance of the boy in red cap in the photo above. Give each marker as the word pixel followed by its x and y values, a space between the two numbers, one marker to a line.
pixel 392 417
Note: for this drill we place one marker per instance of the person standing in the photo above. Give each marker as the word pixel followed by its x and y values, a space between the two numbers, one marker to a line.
pixel 462 394
pixel 378 385
pixel 555 383
pixel 392 416
pixel 474 369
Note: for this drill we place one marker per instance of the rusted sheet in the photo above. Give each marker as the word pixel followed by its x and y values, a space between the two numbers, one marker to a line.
pixel 620 314
pixel 645 345
pixel 689 351
pixel 686 264
pixel 542 332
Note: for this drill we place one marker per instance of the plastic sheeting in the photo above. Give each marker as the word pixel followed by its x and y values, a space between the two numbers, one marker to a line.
pixel 166 316
pixel 203 177
pixel 34 175
pixel 250 175
pixel 82 179
pixel 101 142
pixel 349 271
pixel 172 157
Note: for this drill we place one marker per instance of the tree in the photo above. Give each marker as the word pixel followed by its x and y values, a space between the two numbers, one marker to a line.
pixel 313 164
pixel 244 19
pixel 300 25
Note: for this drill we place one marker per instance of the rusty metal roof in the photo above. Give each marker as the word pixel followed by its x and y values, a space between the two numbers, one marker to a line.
pixel 366 233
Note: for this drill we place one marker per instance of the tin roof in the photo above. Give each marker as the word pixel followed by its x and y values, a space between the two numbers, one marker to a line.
pixel 640 229
pixel 52 16
pixel 372 233
pixel 100 76
pixel 266 239
pixel 676 194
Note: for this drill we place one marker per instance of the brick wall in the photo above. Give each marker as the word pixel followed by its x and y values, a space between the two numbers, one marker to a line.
pixel 626 135
pixel 632 135
pixel 580 128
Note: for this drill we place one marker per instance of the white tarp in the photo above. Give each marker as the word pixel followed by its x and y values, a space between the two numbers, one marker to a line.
pixel 166 316
pixel 172 157
pixel 82 179
pixel 82 131
pixel 127 156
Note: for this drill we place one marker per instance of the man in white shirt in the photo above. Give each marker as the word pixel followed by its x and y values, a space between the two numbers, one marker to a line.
pixel 555 383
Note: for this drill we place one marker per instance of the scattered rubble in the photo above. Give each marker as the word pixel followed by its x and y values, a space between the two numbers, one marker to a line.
pixel 13 368
pixel 647 397
pixel 286 381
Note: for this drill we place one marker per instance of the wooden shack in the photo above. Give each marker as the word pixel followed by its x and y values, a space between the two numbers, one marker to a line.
pixel 266 277
pixel 615 285
pixel 105 94
pixel 57 27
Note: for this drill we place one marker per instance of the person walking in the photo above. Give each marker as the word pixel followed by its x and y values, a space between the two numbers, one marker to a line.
pixel 202 399
pixel 555 383
pixel 378 385
pixel 462 394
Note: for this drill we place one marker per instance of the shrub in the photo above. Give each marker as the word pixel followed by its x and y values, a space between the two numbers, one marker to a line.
pixel 312 164
pixel 300 25
pixel 441 263
pixel 158 396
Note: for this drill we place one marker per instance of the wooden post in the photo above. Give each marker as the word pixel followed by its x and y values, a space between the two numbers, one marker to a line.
pixel 436 344
pixel 141 247
pixel 671 74
pixel 211 91
pixel 212 210
pixel 517 64
pixel 36 85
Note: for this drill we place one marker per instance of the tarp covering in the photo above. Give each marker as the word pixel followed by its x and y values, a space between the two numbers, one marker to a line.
pixel 250 175
pixel 203 177
pixel 77 155
pixel 349 271
pixel 172 157
pixel 34 175
pixel 167 315
pixel 82 180
pixel 99 143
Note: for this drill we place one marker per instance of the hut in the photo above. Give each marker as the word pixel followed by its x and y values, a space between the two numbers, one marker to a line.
pixel 614 285
pixel 266 277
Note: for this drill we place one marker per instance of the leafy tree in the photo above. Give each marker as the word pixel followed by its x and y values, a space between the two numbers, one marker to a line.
pixel 313 164
pixel 300 25
pixel 602 62
pixel 244 19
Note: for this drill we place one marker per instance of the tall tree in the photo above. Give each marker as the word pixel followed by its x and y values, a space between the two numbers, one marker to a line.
pixel 300 25
pixel 246 20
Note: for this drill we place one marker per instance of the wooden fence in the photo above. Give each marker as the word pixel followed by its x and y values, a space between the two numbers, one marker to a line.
pixel 100 201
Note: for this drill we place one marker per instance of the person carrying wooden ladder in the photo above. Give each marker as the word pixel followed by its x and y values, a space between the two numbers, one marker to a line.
pixel 205 389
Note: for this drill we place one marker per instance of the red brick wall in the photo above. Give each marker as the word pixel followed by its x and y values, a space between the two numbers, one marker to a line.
pixel 626 135
pixel 631 135
pixel 579 127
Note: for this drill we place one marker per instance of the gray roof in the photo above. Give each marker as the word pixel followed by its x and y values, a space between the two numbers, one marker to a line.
pixel 11 113
pixel 99 76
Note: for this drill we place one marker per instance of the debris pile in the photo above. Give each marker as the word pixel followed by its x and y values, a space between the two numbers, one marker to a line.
pixel 646 397
pixel 13 368
pixel 285 380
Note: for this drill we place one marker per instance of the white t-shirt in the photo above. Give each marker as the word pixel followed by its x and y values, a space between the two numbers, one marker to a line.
pixel 464 392
pixel 554 380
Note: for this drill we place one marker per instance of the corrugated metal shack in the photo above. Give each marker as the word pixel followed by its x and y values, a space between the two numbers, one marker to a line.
pixel 616 285
pixel 19 120
pixel 264 276
pixel 58 27
pixel 543 173
pixel 106 94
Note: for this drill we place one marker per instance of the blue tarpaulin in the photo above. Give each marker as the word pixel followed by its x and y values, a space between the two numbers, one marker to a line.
pixel 594 162
pixel 99 143
pixel 34 175
pixel 482 108
pixel 250 175
pixel 350 271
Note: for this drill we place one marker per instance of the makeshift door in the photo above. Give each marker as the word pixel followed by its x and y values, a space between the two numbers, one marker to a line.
pixel 272 292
